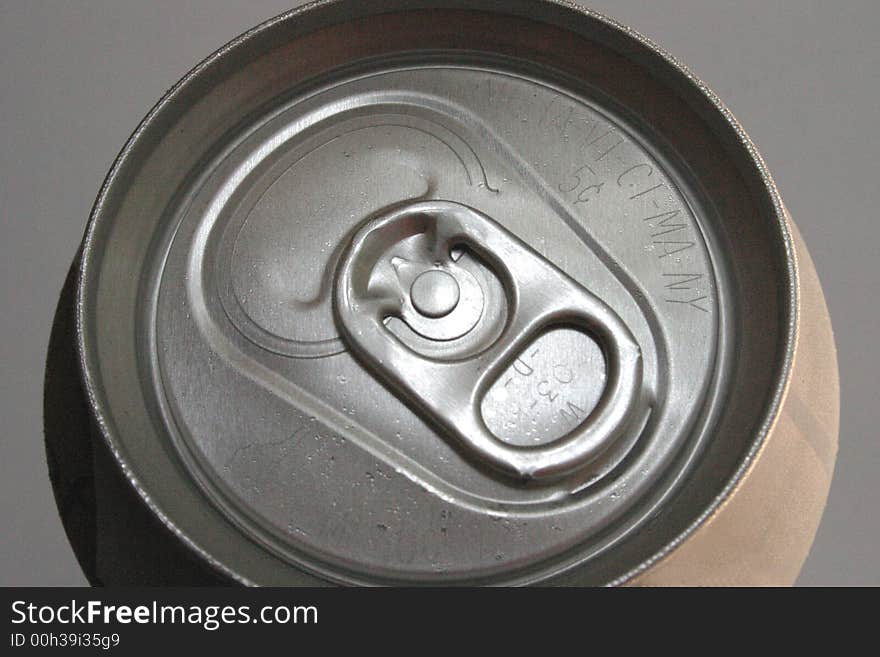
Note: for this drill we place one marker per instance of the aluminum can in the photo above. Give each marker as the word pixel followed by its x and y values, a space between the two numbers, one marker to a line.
pixel 445 292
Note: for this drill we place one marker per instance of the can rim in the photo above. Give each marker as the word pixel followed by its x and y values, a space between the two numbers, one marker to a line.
pixel 86 348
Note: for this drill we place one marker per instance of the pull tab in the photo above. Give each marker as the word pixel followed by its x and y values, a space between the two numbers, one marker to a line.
pixel 380 278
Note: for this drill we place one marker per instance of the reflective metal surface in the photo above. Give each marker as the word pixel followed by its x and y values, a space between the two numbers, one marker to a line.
pixel 370 290
pixel 259 241
pixel 456 306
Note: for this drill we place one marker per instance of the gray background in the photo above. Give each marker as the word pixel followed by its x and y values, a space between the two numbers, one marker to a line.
pixel 76 78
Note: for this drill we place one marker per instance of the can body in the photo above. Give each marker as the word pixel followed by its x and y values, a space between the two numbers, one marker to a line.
pixel 779 501
pixel 511 302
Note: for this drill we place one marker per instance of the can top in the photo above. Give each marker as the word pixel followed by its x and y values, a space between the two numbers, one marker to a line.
pixel 456 305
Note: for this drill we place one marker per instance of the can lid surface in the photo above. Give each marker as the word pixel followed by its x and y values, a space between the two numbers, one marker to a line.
pixel 413 306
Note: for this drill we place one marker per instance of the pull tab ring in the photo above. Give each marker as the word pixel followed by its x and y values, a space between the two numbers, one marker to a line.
pixel 449 393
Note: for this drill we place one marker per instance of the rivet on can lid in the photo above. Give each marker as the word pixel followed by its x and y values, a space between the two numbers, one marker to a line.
pixel 435 293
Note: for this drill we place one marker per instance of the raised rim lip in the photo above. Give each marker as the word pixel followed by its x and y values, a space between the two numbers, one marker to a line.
pixel 86 350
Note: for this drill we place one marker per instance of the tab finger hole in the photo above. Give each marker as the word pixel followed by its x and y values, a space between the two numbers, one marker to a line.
pixel 551 388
